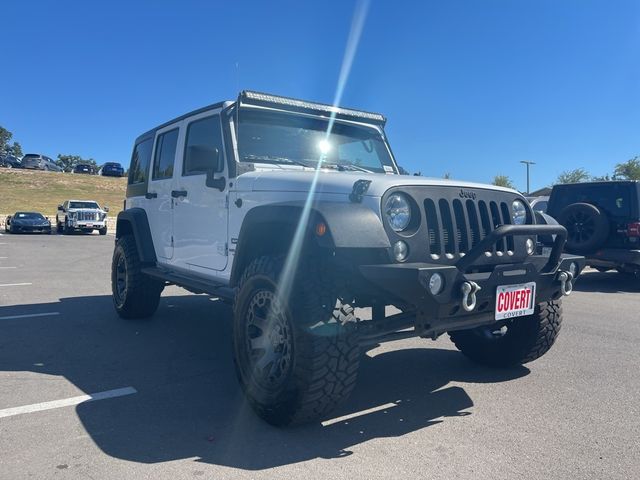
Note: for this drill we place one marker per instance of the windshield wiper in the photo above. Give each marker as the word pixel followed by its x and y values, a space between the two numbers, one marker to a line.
pixel 272 159
pixel 350 167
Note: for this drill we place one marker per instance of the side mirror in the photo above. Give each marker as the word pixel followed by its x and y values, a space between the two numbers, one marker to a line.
pixel 60 207
pixel 212 180
pixel 106 208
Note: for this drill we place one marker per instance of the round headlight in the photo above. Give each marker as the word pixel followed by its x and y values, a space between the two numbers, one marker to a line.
pixel 398 211
pixel 519 212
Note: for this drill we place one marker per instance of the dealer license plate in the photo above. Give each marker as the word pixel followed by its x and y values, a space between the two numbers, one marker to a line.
pixel 90 225
pixel 515 300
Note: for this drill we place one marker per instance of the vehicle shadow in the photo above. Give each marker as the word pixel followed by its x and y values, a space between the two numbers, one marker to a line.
pixel 189 403
pixel 607 282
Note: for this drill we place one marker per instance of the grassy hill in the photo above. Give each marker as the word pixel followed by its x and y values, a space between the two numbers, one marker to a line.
pixel 44 191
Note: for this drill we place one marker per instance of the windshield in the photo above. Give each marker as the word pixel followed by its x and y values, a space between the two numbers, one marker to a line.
pixel 83 205
pixel 273 137
pixel 29 216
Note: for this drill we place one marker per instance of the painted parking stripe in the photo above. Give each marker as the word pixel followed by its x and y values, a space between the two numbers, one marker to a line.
pixel 14 284
pixel 344 418
pixel 6 268
pixel 67 402
pixel 30 315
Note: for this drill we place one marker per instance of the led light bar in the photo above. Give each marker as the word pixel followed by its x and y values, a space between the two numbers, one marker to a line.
pixel 265 98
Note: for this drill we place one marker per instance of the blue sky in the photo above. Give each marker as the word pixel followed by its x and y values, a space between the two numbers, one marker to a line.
pixel 468 87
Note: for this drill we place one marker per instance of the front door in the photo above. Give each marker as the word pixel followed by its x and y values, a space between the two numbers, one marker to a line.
pixel 200 215
pixel 159 199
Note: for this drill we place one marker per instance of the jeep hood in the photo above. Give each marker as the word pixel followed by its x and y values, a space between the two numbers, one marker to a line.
pixel 334 182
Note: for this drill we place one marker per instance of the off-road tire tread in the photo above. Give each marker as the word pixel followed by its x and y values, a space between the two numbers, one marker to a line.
pixel 528 339
pixel 143 292
pixel 326 365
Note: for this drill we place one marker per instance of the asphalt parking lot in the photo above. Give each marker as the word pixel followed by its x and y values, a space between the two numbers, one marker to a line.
pixel 168 404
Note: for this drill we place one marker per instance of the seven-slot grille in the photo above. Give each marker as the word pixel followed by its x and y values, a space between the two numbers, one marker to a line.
pixel 456 226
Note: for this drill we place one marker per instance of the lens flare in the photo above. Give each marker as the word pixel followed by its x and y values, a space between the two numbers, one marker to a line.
pixel 293 256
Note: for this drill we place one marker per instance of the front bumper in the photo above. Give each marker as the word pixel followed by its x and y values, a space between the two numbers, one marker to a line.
pixel 87 224
pixel 409 283
pixel 31 229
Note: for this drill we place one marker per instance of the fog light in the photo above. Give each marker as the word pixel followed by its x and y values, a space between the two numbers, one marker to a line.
pixel 436 283
pixel 573 269
pixel 400 251
pixel 530 246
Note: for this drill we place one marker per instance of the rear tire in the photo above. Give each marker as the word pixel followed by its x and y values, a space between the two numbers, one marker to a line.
pixel 525 339
pixel 135 295
pixel 296 360
pixel 103 231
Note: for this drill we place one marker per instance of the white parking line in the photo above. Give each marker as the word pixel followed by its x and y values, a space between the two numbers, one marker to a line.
pixel 344 418
pixel 31 315
pixel 14 284
pixel 5 268
pixel 67 402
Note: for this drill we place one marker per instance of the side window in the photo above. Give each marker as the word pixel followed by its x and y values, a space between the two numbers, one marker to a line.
pixel 165 154
pixel 203 147
pixel 140 161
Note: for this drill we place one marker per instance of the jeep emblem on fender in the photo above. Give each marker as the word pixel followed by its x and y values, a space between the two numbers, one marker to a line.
pixel 467 194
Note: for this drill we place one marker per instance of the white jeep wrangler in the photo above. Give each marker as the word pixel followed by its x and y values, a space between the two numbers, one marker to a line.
pixel 296 213
pixel 83 215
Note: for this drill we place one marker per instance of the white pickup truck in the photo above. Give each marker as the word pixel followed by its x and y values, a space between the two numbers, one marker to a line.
pixel 83 215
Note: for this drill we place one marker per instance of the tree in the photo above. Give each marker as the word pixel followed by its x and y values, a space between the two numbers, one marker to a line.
pixel 446 176
pixel 5 137
pixel 503 181
pixel 15 149
pixel 574 176
pixel 68 162
pixel 629 170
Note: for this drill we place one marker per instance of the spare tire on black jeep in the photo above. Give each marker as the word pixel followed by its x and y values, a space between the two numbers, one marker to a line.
pixel 587 227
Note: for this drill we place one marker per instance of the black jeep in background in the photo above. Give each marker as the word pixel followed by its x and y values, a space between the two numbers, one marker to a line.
pixel 602 221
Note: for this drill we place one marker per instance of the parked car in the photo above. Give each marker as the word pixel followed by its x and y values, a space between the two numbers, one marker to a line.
pixel 83 215
pixel 84 168
pixel 111 169
pixel 303 216
pixel 603 222
pixel 539 204
pixel 9 161
pixel 27 222
pixel 34 161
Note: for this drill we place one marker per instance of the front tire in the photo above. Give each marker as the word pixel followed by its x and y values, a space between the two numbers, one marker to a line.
pixel 103 231
pixel 296 359
pixel 66 229
pixel 522 340
pixel 135 295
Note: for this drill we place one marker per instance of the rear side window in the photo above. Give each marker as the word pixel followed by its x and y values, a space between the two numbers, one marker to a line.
pixel 165 155
pixel 613 198
pixel 140 161
pixel 203 147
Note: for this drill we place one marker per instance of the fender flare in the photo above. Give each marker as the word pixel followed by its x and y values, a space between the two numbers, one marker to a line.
pixel 349 226
pixel 134 222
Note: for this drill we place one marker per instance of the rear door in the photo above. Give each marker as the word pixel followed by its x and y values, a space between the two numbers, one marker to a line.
pixel 159 199
pixel 200 212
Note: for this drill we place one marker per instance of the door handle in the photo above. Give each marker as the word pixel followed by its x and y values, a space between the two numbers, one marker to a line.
pixel 178 193
pixel 150 195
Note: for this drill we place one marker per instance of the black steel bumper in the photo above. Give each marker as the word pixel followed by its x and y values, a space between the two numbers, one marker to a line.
pixel 409 283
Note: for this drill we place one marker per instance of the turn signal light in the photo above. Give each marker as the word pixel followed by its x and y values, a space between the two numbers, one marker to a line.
pixel 321 229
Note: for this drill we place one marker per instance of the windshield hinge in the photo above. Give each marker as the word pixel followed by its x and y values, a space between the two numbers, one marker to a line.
pixel 226 201
pixel 360 187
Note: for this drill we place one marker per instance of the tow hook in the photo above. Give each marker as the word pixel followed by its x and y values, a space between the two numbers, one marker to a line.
pixel 566 282
pixel 469 290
